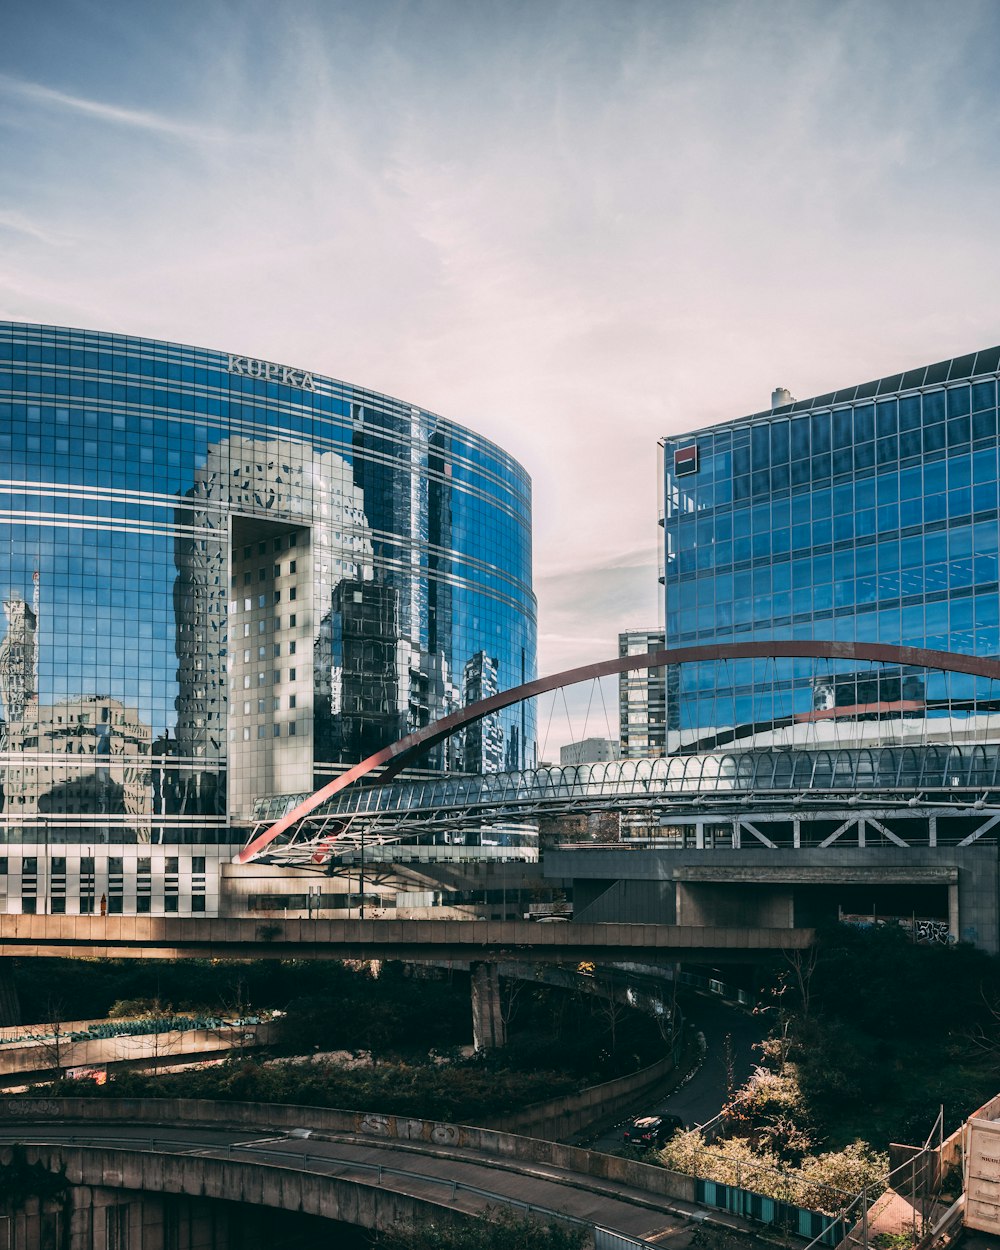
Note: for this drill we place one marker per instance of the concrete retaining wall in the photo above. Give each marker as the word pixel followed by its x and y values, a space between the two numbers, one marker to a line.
pixel 149 1050
pixel 561 1117
pixel 267 1116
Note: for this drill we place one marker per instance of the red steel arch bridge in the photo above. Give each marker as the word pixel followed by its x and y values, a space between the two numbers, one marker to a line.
pixel 890 773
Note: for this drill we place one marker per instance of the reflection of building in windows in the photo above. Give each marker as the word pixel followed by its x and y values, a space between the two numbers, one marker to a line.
pixel 868 695
pixel 19 655
pixel 483 749
pixel 105 766
pixel 250 599
pixel 364 709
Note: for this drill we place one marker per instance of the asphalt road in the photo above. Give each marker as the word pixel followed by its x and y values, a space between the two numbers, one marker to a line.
pixel 439 1174
pixel 703 1096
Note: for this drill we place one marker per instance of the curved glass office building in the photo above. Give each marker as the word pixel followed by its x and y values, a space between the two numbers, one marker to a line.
pixel 867 514
pixel 225 578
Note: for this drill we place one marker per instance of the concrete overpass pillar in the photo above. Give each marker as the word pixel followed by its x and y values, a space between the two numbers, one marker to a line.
pixel 10 1007
pixel 488 1029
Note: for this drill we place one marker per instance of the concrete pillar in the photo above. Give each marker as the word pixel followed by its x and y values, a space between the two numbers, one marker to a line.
pixel 10 1007
pixel 954 921
pixel 488 1029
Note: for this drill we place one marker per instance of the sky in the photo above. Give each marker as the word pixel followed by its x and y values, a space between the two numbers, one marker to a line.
pixel 573 225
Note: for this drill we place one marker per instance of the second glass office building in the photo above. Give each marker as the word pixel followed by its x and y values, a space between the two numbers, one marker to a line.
pixel 868 514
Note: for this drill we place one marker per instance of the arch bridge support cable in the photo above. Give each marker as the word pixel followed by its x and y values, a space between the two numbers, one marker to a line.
pixel 398 755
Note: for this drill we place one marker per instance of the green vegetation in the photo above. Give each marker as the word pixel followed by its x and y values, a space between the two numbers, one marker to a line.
pixel 880 1032
pixel 408 1029
pixel 870 1035
pixel 460 1093
pixel 493 1230
pixel 824 1182
pixel 389 1012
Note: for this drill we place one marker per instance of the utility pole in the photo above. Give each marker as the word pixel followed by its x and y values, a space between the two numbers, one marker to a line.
pixel 361 873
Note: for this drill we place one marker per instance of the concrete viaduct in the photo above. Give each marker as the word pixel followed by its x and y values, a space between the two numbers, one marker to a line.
pixel 370 1170
pixel 145 937
pixel 481 944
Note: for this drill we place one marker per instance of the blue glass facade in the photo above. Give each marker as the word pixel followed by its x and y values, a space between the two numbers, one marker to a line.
pixel 224 578
pixel 868 514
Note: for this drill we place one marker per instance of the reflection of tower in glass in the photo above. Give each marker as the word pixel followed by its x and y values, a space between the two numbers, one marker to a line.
pixel 84 755
pixel 250 605
pixel 483 748
pixel 19 656
pixel 362 635
pixel 404 467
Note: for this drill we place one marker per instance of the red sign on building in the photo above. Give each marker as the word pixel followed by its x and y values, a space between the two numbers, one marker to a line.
pixel 686 459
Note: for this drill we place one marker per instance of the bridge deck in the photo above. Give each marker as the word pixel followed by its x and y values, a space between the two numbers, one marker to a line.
pixel 145 937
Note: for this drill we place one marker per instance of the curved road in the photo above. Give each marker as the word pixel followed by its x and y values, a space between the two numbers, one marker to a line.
pixel 462 1179
pixel 702 1097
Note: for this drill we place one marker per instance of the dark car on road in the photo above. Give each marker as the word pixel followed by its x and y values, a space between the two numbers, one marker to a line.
pixel 650 1131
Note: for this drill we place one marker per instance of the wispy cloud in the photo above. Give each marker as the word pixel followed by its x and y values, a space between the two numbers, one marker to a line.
pixel 135 119
pixel 574 226
pixel 19 224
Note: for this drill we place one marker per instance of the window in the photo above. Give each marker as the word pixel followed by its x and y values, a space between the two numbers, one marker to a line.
pixel 291 621
pixel 142 904
pixel 29 906
pixel 198 863
pixel 291 700
pixel 59 906
pixel 170 902
pixel 291 647
pixel 292 594
pixel 29 867
pixel 170 864
pixel 198 902
pixel 291 566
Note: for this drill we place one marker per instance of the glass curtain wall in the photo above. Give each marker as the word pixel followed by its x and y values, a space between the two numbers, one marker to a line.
pixel 869 515
pixel 223 578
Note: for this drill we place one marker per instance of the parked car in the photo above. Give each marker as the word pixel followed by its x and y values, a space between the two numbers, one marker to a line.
pixel 650 1131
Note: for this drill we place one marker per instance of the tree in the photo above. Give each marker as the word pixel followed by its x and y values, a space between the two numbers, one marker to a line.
pixel 55 1042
